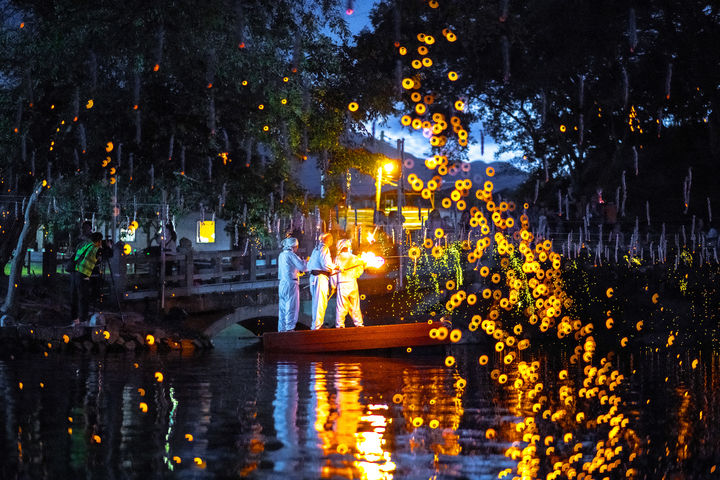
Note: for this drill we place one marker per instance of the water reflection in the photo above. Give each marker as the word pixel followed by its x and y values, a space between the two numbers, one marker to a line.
pixel 352 424
pixel 235 414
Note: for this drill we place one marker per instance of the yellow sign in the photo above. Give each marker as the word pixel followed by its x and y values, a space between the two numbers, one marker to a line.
pixel 206 232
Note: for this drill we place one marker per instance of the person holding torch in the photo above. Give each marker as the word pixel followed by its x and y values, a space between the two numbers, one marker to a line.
pixel 321 267
pixel 348 294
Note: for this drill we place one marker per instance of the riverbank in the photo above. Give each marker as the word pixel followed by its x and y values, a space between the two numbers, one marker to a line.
pixel 42 323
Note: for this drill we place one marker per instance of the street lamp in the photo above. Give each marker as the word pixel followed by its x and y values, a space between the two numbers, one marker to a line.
pixel 387 168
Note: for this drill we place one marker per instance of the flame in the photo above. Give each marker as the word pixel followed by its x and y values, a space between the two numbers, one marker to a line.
pixel 371 260
pixel 371 236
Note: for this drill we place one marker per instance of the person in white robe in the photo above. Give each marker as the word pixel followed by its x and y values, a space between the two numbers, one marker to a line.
pixel 289 268
pixel 348 294
pixel 321 268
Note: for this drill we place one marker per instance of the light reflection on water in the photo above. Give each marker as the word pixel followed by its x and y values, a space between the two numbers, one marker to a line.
pixel 235 413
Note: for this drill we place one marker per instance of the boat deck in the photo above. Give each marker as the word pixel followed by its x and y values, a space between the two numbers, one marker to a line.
pixel 353 338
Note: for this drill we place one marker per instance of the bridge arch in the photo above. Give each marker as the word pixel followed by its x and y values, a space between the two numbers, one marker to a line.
pixel 240 314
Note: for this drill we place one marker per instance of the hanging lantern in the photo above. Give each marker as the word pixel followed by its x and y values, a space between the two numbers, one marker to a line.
pixel 624 194
pixel 505 45
pixel 159 48
pixel 82 138
pixel 504 10
pixel 632 30
pixel 211 114
pixel 635 159
pixel 76 103
pixel 248 152
pixel 625 87
pixel 709 211
pixel 182 160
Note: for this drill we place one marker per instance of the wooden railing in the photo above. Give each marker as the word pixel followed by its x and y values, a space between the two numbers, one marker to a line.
pixel 186 272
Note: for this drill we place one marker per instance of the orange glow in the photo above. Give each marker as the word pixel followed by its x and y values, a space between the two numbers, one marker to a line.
pixel 371 260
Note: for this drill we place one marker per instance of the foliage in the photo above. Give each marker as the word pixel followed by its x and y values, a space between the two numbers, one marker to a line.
pixel 575 89
pixel 211 103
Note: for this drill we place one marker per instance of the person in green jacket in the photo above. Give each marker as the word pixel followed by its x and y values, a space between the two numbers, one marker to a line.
pixel 86 256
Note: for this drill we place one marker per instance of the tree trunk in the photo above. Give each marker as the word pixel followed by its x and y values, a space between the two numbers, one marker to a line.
pixel 17 261
pixel 12 232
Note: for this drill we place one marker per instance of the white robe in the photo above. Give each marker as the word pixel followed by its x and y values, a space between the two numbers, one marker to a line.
pixel 348 295
pixel 289 267
pixel 320 284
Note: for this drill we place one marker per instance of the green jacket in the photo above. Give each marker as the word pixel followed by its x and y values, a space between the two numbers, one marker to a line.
pixel 86 258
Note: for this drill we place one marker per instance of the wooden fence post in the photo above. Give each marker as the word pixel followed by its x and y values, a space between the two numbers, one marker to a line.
pixel 189 270
pixel 253 263
pixel 118 271
pixel 218 267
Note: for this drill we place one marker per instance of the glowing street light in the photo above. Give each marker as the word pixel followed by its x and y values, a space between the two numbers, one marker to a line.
pixel 388 167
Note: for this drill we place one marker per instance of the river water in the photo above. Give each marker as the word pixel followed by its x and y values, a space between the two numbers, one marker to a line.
pixel 235 412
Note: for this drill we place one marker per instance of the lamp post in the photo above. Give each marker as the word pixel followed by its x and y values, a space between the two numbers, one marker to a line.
pixel 388 167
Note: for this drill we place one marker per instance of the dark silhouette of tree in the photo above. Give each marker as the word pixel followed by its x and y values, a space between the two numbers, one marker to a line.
pixel 581 91
pixel 214 103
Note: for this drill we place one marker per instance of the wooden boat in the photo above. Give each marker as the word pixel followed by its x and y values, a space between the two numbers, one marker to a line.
pixel 354 338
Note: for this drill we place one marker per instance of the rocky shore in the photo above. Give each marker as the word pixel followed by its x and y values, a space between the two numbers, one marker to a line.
pixel 107 332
